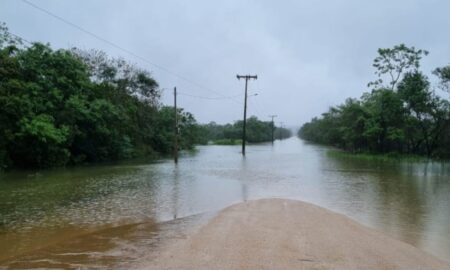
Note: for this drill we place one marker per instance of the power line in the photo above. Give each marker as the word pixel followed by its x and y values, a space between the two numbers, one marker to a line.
pixel 20 38
pixel 256 107
pixel 121 48
pixel 179 93
pixel 208 98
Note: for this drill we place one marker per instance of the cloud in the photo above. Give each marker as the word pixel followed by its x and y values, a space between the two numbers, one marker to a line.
pixel 308 55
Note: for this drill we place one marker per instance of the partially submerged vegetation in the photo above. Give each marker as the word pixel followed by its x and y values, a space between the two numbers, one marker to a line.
pixel 403 116
pixel 60 107
pixel 66 107
pixel 388 157
pixel 257 131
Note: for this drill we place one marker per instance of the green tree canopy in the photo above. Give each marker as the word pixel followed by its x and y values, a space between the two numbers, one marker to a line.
pixel 61 107
pixel 405 116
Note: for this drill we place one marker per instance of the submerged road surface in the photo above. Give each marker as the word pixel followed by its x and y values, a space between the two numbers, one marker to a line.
pixel 111 216
pixel 287 234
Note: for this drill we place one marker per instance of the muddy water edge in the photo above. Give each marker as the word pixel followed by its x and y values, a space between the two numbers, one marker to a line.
pixel 112 216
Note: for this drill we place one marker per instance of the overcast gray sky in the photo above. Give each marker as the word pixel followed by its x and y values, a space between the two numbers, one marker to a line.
pixel 308 55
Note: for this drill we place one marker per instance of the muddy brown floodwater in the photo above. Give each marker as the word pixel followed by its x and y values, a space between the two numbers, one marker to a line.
pixel 113 216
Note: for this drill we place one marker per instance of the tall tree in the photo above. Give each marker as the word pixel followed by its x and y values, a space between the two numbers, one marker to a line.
pixel 444 76
pixel 60 107
pixel 425 109
pixel 394 62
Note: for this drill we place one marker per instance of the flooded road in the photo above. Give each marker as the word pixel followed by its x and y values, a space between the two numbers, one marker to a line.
pixel 111 216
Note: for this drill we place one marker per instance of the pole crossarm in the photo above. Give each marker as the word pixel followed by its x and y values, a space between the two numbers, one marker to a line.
pixel 255 77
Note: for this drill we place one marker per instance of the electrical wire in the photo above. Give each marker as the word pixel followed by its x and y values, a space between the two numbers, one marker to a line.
pixel 198 85
pixel 20 38
pixel 207 98
pixel 255 107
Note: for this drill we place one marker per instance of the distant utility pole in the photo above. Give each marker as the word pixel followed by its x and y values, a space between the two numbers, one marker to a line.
pixel 281 129
pixel 175 143
pixel 273 125
pixel 244 135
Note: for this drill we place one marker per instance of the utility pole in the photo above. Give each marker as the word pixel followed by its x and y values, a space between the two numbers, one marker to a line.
pixel 281 129
pixel 273 125
pixel 244 135
pixel 175 143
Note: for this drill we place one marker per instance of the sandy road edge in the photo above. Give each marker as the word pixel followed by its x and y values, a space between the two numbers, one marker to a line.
pixel 288 234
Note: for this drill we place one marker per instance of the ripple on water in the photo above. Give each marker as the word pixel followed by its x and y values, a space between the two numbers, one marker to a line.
pixel 99 216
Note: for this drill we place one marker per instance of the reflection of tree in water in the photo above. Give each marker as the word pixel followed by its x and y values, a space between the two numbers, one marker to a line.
pixel 109 247
pixel 66 194
pixel 396 199
pixel 60 204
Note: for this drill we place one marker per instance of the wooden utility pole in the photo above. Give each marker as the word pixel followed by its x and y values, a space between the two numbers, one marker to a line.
pixel 244 135
pixel 281 130
pixel 273 125
pixel 175 142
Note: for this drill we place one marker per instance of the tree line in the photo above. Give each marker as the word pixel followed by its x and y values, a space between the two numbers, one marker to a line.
pixel 257 131
pixel 402 113
pixel 62 107
pixel 71 106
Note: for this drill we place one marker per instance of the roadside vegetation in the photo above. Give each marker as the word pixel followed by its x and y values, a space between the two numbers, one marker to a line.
pixel 401 115
pixel 63 107
pixel 387 157
pixel 71 106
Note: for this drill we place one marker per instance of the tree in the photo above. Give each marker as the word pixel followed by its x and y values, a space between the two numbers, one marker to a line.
pixel 282 133
pixel 257 131
pixel 426 111
pixel 407 117
pixel 394 62
pixel 444 75
pixel 385 120
pixel 126 77
pixel 63 107
pixel 352 123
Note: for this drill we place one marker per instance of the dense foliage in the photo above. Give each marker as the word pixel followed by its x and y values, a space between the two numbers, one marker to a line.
pixel 403 115
pixel 61 107
pixel 257 131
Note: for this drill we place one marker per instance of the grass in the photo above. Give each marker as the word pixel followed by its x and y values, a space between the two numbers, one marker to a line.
pixel 377 157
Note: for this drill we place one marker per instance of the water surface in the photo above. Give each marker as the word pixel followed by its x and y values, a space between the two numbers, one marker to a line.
pixel 111 216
